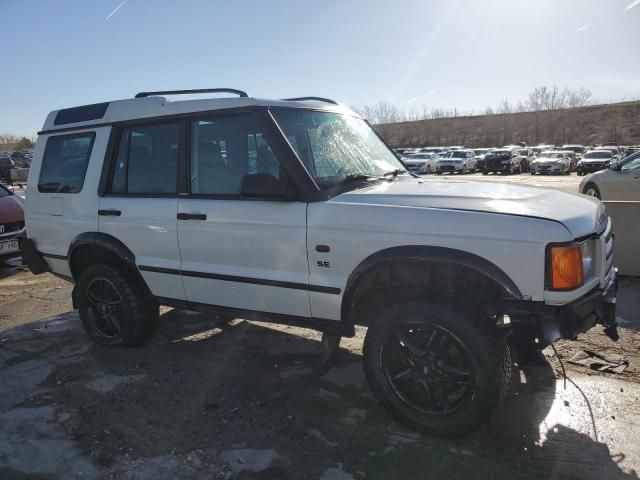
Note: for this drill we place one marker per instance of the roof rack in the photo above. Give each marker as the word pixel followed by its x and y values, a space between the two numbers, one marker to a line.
pixel 240 93
pixel 318 99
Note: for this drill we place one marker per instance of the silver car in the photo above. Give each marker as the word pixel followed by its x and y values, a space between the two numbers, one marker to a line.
pixel 621 181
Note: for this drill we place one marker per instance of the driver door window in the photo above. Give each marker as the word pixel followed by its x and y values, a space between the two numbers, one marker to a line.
pixel 224 150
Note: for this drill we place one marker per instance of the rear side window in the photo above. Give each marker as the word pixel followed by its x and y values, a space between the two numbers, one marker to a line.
pixel 64 163
pixel 147 160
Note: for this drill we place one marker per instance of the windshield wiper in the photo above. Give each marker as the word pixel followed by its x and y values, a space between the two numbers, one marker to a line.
pixel 393 173
pixel 352 177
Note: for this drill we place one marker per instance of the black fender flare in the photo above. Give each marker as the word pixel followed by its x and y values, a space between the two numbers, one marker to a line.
pixel 431 254
pixel 103 240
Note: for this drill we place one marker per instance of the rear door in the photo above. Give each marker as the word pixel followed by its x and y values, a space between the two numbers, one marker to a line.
pixel 61 197
pixel 242 253
pixel 140 204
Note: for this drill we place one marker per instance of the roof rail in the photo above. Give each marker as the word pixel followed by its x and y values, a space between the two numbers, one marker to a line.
pixel 240 93
pixel 318 99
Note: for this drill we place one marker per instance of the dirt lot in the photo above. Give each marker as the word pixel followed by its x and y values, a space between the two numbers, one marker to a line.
pixel 209 399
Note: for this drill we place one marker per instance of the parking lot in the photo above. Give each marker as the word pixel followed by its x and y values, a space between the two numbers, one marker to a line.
pixel 207 398
pixel 566 183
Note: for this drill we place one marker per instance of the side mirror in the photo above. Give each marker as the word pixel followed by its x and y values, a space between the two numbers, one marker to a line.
pixel 615 166
pixel 263 185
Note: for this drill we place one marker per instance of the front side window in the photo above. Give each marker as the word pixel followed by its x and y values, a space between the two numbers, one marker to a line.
pixel 226 149
pixel 147 160
pixel 335 147
pixel 632 164
pixel 64 163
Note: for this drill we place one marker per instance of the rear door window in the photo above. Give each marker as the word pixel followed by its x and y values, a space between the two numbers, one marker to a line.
pixel 64 163
pixel 147 160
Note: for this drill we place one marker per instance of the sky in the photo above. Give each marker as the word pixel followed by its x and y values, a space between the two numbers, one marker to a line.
pixel 463 54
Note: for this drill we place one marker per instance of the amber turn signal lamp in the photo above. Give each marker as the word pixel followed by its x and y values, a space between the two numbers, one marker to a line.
pixel 565 267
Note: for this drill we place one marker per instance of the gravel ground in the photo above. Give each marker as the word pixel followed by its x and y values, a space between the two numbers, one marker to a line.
pixel 206 398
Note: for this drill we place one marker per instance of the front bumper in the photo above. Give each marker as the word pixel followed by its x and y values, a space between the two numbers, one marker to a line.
pixel 450 168
pixel 497 166
pixel 546 168
pixel 591 167
pixel 548 323
pixel 19 235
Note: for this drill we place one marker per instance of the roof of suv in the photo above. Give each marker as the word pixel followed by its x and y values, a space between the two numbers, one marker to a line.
pixel 151 106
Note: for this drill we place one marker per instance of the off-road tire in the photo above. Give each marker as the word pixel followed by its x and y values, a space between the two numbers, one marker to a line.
pixel 140 313
pixel 488 352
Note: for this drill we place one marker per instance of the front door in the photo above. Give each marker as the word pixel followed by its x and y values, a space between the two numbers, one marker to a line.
pixel 141 203
pixel 237 252
pixel 629 181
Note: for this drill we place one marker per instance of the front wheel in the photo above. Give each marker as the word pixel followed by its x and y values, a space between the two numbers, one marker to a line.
pixel 114 309
pixel 593 191
pixel 436 369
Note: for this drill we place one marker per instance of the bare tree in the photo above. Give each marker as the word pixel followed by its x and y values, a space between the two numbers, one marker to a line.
pixel 504 106
pixel 579 98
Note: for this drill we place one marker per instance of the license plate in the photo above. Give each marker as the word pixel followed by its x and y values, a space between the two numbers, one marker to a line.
pixel 8 247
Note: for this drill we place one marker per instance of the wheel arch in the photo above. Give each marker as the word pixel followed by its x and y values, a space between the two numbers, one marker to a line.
pixel 415 257
pixel 92 247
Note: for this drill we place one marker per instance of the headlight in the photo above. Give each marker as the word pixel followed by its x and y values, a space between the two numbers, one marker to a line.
pixel 588 249
pixel 569 264
pixel 506 161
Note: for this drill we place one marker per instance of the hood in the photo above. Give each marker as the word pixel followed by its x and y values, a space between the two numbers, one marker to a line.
pixel 596 160
pixel 547 160
pixel 578 213
pixel 11 209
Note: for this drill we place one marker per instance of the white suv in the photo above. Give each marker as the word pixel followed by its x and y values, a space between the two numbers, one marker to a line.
pixel 295 211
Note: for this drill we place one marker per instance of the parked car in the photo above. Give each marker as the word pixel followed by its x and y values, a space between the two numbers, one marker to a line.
pixel 502 160
pixel 573 160
pixel 551 161
pixel 621 181
pixel 615 152
pixel 527 156
pixel 480 153
pixel 594 160
pixel 11 223
pixel 457 161
pixel 421 162
pixel 6 165
pixel 577 149
pixel 542 148
pixel 311 220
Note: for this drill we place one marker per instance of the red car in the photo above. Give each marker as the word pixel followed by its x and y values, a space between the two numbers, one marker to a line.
pixel 11 223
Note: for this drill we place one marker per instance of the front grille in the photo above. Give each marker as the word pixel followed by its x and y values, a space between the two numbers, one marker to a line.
pixel 606 240
pixel 11 227
pixel 593 166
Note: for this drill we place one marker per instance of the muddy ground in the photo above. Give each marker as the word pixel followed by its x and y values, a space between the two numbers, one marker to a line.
pixel 209 399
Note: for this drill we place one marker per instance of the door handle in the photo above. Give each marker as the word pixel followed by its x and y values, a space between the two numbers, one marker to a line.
pixel 192 216
pixel 109 213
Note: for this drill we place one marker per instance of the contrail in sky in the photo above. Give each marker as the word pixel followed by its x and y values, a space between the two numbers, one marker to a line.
pixel 115 10
pixel 635 3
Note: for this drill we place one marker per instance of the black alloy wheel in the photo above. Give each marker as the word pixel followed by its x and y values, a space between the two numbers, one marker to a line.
pixel 428 368
pixel 107 307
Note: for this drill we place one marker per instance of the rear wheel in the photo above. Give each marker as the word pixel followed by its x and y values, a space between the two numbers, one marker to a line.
pixel 436 369
pixel 113 307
